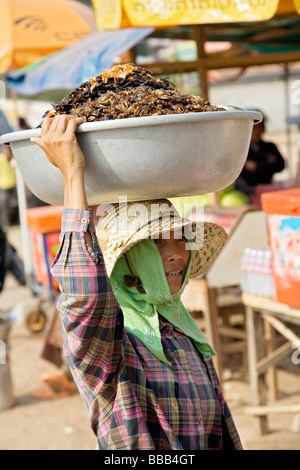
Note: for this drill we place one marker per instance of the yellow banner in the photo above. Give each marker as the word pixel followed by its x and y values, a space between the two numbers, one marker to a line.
pixel 111 14
pixel 168 12
pixel 297 5
pixel 108 14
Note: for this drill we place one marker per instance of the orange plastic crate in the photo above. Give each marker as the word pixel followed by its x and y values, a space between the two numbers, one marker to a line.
pixel 45 219
pixel 45 224
pixel 283 212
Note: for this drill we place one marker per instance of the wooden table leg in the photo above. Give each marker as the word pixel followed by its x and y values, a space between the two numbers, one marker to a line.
pixel 199 297
pixel 211 314
pixel 272 371
pixel 256 351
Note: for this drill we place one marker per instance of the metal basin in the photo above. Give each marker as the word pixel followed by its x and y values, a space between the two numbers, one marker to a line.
pixel 145 157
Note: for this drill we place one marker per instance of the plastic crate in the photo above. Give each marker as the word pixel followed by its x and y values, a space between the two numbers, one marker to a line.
pixel 45 226
pixel 283 213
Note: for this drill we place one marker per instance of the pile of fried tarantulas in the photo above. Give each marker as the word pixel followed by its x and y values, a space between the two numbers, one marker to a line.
pixel 126 91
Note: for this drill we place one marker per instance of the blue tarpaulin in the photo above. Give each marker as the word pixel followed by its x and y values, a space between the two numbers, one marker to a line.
pixel 4 124
pixel 5 127
pixel 70 67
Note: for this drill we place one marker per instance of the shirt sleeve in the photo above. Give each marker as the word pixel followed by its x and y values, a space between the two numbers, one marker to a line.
pixel 91 317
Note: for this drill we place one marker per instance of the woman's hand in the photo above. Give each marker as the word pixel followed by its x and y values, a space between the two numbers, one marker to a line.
pixel 59 142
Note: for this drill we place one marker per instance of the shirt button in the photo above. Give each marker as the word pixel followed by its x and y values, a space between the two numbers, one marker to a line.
pixel 199 419
pixel 84 220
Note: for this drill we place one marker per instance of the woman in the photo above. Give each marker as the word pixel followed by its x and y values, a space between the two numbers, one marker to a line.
pixel 142 366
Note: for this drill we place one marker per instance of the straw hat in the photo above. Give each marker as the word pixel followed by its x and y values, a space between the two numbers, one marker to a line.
pixel 122 225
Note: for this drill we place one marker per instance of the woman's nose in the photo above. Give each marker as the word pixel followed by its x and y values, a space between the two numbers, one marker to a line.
pixel 174 252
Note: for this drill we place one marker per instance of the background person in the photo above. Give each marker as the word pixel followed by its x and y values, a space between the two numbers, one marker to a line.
pixel 8 189
pixel 263 161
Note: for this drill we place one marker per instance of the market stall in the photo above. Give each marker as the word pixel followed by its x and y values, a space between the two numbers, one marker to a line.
pixel 244 231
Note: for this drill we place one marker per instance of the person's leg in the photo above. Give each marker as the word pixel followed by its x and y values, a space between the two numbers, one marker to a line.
pixel 9 207
pixel 4 199
pixel 60 380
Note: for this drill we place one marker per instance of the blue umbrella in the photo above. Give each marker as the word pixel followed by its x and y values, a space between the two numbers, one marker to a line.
pixel 70 67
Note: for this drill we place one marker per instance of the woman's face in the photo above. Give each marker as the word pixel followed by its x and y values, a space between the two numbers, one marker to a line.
pixel 175 257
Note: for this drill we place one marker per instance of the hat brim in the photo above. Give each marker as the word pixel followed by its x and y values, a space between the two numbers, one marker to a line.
pixel 208 239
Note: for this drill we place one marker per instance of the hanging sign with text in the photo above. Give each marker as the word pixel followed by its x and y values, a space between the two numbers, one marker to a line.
pixel 122 13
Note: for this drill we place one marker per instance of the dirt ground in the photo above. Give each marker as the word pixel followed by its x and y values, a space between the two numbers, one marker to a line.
pixel 62 424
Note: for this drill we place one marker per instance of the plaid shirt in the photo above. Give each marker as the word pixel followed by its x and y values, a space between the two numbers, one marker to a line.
pixel 134 401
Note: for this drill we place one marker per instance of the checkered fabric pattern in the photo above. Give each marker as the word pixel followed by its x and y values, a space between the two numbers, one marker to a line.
pixel 134 401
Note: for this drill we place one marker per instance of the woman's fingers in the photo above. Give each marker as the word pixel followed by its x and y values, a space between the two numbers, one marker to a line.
pixel 46 124
pixel 36 140
pixel 75 121
pixel 59 142
pixel 47 121
pixel 60 124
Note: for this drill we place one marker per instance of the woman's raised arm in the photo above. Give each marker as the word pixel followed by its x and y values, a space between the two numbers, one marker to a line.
pixel 58 140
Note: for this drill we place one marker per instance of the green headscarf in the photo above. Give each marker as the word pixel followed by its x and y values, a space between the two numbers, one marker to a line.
pixel 141 310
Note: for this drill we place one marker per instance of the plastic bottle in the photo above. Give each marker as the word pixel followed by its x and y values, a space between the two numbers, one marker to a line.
pixel 259 277
pixel 269 285
pixel 252 287
pixel 245 269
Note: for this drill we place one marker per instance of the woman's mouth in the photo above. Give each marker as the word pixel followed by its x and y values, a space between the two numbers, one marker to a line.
pixel 174 273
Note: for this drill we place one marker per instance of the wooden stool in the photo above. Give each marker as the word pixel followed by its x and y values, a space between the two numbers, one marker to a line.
pixel 264 316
